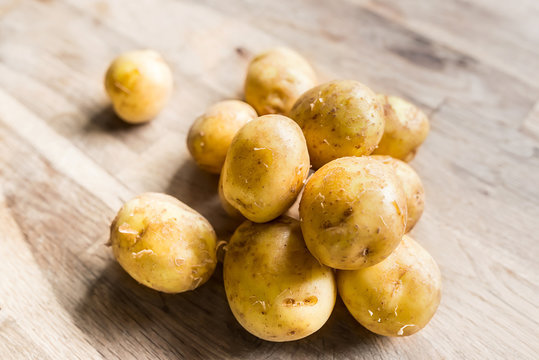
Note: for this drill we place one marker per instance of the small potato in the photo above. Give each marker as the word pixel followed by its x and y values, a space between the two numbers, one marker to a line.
pixel 406 128
pixel 211 133
pixel 412 186
pixel 339 118
pixel 396 297
pixel 275 79
pixel 265 167
pixel 353 213
pixel 139 84
pixel 163 244
pixel 277 291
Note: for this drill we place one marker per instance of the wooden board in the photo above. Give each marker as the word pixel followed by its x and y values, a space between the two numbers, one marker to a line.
pixel 67 164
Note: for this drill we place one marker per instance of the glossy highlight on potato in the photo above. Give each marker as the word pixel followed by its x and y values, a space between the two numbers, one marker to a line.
pixel 353 212
pixel 276 290
pixel 339 118
pixel 139 84
pixel 265 167
pixel 406 128
pixel 163 244
pixel 211 134
pixel 396 297
pixel 275 79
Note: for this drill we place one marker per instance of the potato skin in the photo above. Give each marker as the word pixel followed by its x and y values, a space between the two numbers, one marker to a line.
pixel 353 213
pixel 339 118
pixel 139 84
pixel 163 244
pixel 396 297
pixel 265 167
pixel 275 79
pixel 211 134
pixel 276 290
pixel 412 186
pixel 406 128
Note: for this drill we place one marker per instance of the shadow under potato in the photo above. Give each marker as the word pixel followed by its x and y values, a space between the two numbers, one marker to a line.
pixel 198 189
pixel 123 318
pixel 106 120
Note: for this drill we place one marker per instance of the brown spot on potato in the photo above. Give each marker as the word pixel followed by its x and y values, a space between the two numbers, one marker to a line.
pixel 289 302
pixel 311 300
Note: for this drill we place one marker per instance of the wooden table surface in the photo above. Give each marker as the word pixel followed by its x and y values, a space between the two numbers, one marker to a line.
pixel 67 164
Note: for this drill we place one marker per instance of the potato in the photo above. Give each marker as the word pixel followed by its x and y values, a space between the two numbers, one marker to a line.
pixel 396 297
pixel 139 84
pixel 265 167
pixel 353 213
pixel 276 290
pixel 163 244
pixel 412 186
pixel 211 133
pixel 406 128
pixel 275 79
pixel 339 118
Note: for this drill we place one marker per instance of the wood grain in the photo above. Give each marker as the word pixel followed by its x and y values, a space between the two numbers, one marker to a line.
pixel 67 164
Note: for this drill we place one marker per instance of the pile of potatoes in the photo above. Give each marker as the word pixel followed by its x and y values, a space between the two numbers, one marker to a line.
pixel 282 274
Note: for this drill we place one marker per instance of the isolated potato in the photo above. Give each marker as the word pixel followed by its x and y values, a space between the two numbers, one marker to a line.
pixel 339 118
pixel 265 167
pixel 406 128
pixel 211 134
pixel 139 84
pixel 163 244
pixel 412 186
pixel 277 291
pixel 275 79
pixel 353 212
pixel 396 297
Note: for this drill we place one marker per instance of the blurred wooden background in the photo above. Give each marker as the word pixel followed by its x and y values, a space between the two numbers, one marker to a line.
pixel 67 164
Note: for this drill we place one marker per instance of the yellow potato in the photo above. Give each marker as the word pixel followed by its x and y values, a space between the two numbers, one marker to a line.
pixel 275 79
pixel 353 212
pixel 406 128
pixel 412 186
pixel 163 244
pixel 339 118
pixel 139 84
pixel 265 167
pixel 277 291
pixel 396 297
pixel 211 133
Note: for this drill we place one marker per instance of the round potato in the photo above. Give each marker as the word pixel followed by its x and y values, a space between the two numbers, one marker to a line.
pixel 412 186
pixel 139 84
pixel 211 133
pixel 406 128
pixel 265 167
pixel 339 118
pixel 396 297
pixel 275 79
pixel 163 244
pixel 353 212
pixel 277 291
